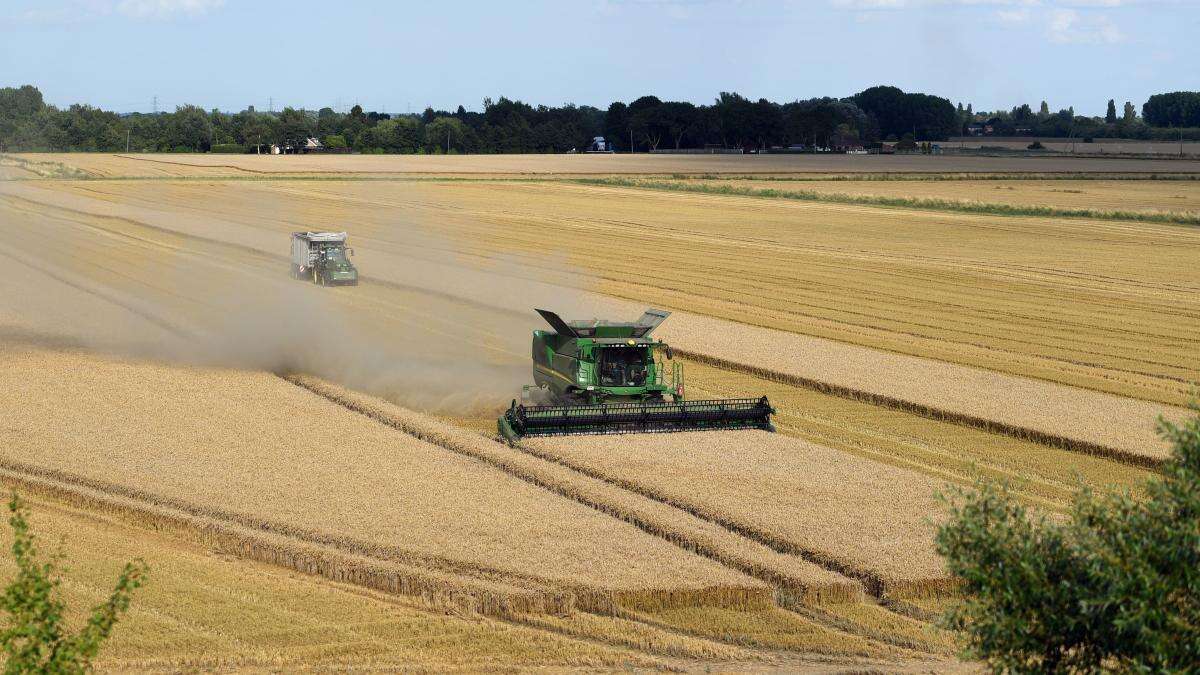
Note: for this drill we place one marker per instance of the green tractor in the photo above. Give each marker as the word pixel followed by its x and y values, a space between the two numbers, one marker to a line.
pixel 604 377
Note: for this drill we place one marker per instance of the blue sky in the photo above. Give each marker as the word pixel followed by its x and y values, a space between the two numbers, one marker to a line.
pixel 397 56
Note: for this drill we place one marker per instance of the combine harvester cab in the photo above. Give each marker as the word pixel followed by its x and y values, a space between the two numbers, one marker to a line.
pixel 603 377
pixel 322 257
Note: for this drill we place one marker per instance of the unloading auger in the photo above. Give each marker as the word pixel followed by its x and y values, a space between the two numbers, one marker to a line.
pixel 606 377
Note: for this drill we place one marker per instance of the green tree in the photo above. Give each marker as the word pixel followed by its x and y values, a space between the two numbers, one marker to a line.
pixel 189 129
pixel 35 639
pixel 679 118
pixel 295 126
pixel 445 134
pixel 1130 113
pixel 1111 116
pixel 1116 586
pixel 646 120
pixel 1176 109
pixel 1043 110
pixel 616 123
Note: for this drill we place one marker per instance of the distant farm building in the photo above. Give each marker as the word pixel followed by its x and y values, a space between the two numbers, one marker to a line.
pixel 598 144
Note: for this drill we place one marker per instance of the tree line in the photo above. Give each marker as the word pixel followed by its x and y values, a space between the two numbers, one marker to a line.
pixel 878 114
pixel 1164 117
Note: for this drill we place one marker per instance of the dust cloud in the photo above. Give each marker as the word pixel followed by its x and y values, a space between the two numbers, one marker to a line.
pixel 458 348
pixel 428 329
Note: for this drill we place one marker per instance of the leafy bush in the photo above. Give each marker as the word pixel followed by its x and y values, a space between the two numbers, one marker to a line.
pixel 35 639
pixel 228 149
pixel 1116 586
pixel 334 142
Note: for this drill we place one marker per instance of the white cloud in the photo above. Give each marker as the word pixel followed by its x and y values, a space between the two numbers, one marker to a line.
pixel 161 9
pixel 859 5
pixel 871 4
pixel 1068 26
pixel 1019 15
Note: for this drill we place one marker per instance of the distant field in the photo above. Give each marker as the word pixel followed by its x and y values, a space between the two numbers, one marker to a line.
pixel 1096 195
pixel 166 165
pixel 1099 146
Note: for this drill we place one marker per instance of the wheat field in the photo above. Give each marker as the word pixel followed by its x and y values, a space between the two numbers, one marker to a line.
pixel 177 390
pixel 259 452
pixel 206 611
pixel 865 519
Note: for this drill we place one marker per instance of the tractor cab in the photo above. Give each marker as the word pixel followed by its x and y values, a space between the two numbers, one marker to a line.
pixel 623 366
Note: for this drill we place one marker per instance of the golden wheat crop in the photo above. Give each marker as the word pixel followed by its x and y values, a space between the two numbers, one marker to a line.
pixel 797 581
pixel 863 518
pixel 256 451
pixel 202 611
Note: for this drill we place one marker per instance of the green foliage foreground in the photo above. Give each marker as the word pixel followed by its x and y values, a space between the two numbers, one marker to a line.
pixel 1116 586
pixel 35 639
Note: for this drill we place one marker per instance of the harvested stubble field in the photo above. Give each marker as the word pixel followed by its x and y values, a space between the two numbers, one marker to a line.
pixel 904 348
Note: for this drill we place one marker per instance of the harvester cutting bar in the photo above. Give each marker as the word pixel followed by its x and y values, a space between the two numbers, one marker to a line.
pixel 635 418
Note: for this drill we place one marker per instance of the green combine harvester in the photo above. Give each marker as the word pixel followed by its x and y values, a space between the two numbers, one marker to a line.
pixel 605 377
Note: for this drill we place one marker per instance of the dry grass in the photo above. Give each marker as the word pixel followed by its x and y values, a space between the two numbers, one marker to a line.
pixel 206 611
pixel 860 517
pixel 255 451
pixel 257 165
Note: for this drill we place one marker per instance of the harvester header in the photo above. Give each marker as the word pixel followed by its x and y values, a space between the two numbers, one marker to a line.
pixel 601 377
